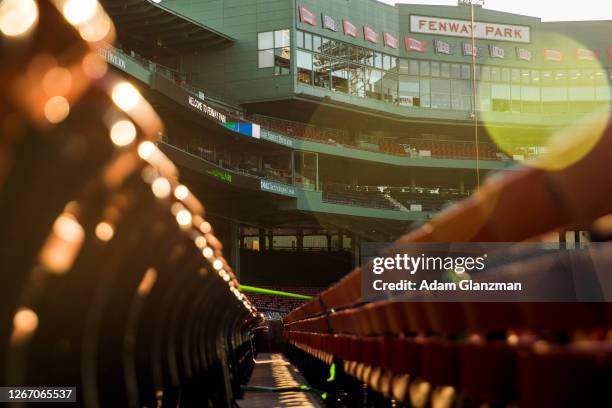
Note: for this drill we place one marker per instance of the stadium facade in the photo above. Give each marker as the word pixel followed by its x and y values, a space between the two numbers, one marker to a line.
pixel 329 122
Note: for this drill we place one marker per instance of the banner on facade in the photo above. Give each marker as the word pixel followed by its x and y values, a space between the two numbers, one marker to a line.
pixel 463 28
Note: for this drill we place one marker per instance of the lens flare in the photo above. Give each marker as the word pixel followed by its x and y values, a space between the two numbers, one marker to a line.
pixel 161 187
pixel 183 218
pixel 17 17
pixel 56 109
pixel 57 81
pixel 125 96
pixel 146 150
pixel 123 133
pixel 79 11
pixel 549 118
pixel 25 320
pixel 181 192
pixel 104 231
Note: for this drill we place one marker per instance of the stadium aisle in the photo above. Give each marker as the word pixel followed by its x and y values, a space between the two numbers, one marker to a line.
pixel 272 371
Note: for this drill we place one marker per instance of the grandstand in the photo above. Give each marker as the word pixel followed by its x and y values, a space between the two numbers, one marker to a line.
pixel 191 191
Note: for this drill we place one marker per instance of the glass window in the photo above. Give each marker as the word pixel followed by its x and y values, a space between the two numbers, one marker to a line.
pixel 516 75
pixel 440 94
pixel 281 38
pixel 461 95
pixel 547 77
pixel 575 76
pixel 389 87
pixel 355 53
pixel 484 97
pixel 304 67
pixel 413 67
pixel 505 75
pixel 424 68
pixel 316 43
pixel 386 62
pixel 357 80
pixel 588 75
pixel 435 69
pixel 445 70
pixel 329 47
pixel 535 76
pixel 373 83
pixel 266 59
pixel 265 40
pixel 341 50
pixel 393 66
pixel 425 86
pixel 299 39
pixel 308 41
pixel 339 76
pixel 321 71
pixel 367 57
pixel 466 71
pixel 409 91
pixel 561 77
pixel 378 60
pixel 486 73
pixel 455 71
pixel 525 76
pixel 495 74
pixel 282 61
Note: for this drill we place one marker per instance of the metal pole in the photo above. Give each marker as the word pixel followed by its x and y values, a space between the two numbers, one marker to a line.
pixel 474 95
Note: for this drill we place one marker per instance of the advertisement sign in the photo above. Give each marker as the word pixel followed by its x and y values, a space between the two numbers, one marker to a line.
pixel 244 128
pixel 586 55
pixel 467 50
pixel 112 58
pixel 609 53
pixel 329 22
pixel 203 107
pixel 413 44
pixel 463 28
pixel 370 35
pixel 553 55
pixel 389 40
pixel 350 29
pixel 523 54
pixel 497 52
pixel 278 188
pixel 307 16
pixel 442 47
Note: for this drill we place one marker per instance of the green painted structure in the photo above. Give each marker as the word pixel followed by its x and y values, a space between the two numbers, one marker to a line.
pixel 233 72
pixel 424 79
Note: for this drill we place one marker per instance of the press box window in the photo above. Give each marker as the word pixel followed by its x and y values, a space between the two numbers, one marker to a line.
pixel 274 51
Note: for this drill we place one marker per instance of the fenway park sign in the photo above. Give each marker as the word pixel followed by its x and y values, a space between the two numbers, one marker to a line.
pixel 463 28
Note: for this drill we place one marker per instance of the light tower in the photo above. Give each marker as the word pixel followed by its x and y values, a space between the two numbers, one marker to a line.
pixel 473 112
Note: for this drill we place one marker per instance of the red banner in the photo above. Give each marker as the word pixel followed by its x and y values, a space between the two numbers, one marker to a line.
pixel 583 54
pixel 349 29
pixel 413 44
pixel 553 55
pixel 609 53
pixel 370 35
pixel 307 16
pixel 390 41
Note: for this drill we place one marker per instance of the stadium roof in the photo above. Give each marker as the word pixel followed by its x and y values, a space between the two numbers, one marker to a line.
pixel 156 31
